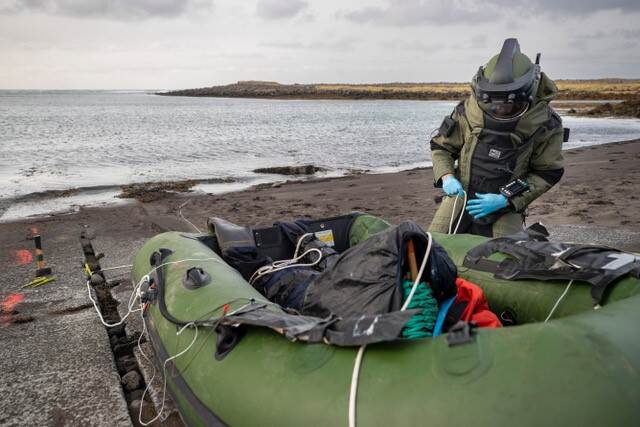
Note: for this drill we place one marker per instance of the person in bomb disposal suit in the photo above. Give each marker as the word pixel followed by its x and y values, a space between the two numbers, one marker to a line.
pixel 507 142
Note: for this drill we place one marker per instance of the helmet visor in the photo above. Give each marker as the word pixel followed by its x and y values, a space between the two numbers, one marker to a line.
pixel 501 109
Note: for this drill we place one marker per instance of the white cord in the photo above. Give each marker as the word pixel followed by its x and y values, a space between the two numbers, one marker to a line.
pixel 288 263
pixel 130 304
pixel 353 390
pixel 149 361
pixel 299 243
pixel 116 267
pixel 185 219
pixel 130 309
pixel 453 214
pixel 134 293
pixel 164 371
pixel 558 301
pixel 422 267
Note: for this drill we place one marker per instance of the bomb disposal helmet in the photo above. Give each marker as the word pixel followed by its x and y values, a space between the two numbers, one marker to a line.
pixel 507 85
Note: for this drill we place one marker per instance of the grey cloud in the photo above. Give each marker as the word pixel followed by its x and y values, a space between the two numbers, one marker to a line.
pixel 411 45
pixel 279 9
pixel 364 15
pixel 630 34
pixel 420 12
pixel 576 7
pixel 110 9
pixel 340 44
pixel 620 37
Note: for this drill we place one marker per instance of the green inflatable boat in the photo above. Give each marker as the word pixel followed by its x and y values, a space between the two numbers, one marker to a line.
pixel 563 363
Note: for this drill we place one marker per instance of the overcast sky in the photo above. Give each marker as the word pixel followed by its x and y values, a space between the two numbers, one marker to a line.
pixel 165 44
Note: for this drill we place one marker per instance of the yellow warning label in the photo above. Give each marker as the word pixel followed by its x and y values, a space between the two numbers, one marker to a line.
pixel 325 236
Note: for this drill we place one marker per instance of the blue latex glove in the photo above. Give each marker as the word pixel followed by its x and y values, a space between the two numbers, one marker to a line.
pixel 451 185
pixel 486 204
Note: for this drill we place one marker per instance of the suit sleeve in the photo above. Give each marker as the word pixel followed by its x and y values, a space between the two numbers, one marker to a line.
pixel 445 150
pixel 546 169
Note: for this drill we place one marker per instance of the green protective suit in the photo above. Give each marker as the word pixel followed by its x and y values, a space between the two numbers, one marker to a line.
pixel 537 137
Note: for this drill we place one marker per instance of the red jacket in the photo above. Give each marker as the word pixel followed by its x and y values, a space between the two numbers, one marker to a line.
pixel 477 309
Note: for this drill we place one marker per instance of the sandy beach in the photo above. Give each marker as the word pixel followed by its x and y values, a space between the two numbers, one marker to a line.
pixel 596 191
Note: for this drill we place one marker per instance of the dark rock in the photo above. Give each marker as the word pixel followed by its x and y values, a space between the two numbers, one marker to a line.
pixel 116 330
pixel 291 170
pixel 96 279
pixel 121 349
pixel 135 395
pixel 134 408
pixel 131 380
pixel 126 363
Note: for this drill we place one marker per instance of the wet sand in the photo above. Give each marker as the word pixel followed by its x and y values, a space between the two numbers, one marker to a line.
pixel 60 364
pixel 597 190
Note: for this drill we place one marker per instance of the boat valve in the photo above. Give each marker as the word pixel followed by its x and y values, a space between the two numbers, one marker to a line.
pixel 148 292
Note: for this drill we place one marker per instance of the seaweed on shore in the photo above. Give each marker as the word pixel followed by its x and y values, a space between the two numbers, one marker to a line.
pixel 155 190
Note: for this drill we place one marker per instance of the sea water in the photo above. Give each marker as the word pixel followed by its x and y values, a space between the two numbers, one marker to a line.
pixel 57 140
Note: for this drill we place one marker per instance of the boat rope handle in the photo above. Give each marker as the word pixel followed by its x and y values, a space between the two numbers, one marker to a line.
pixel 353 390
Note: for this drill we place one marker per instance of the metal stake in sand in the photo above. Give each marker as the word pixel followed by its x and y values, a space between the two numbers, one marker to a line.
pixel 42 270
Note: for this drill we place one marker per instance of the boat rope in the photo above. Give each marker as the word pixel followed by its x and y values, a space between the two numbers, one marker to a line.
pixel 185 219
pixel 135 291
pixel 288 263
pixel 353 391
pixel 453 213
pixel 553 309
pixel 135 295
pixel 130 305
pixel 164 369
pixel 193 324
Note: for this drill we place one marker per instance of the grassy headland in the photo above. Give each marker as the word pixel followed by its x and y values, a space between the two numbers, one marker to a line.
pixel 601 89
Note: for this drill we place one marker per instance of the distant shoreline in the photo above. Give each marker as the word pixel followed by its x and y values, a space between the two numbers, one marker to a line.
pixel 622 96
pixel 603 89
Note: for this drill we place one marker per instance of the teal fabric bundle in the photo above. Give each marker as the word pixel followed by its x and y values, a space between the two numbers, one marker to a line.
pixel 421 324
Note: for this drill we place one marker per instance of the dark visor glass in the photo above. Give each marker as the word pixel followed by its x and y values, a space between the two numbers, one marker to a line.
pixel 504 110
